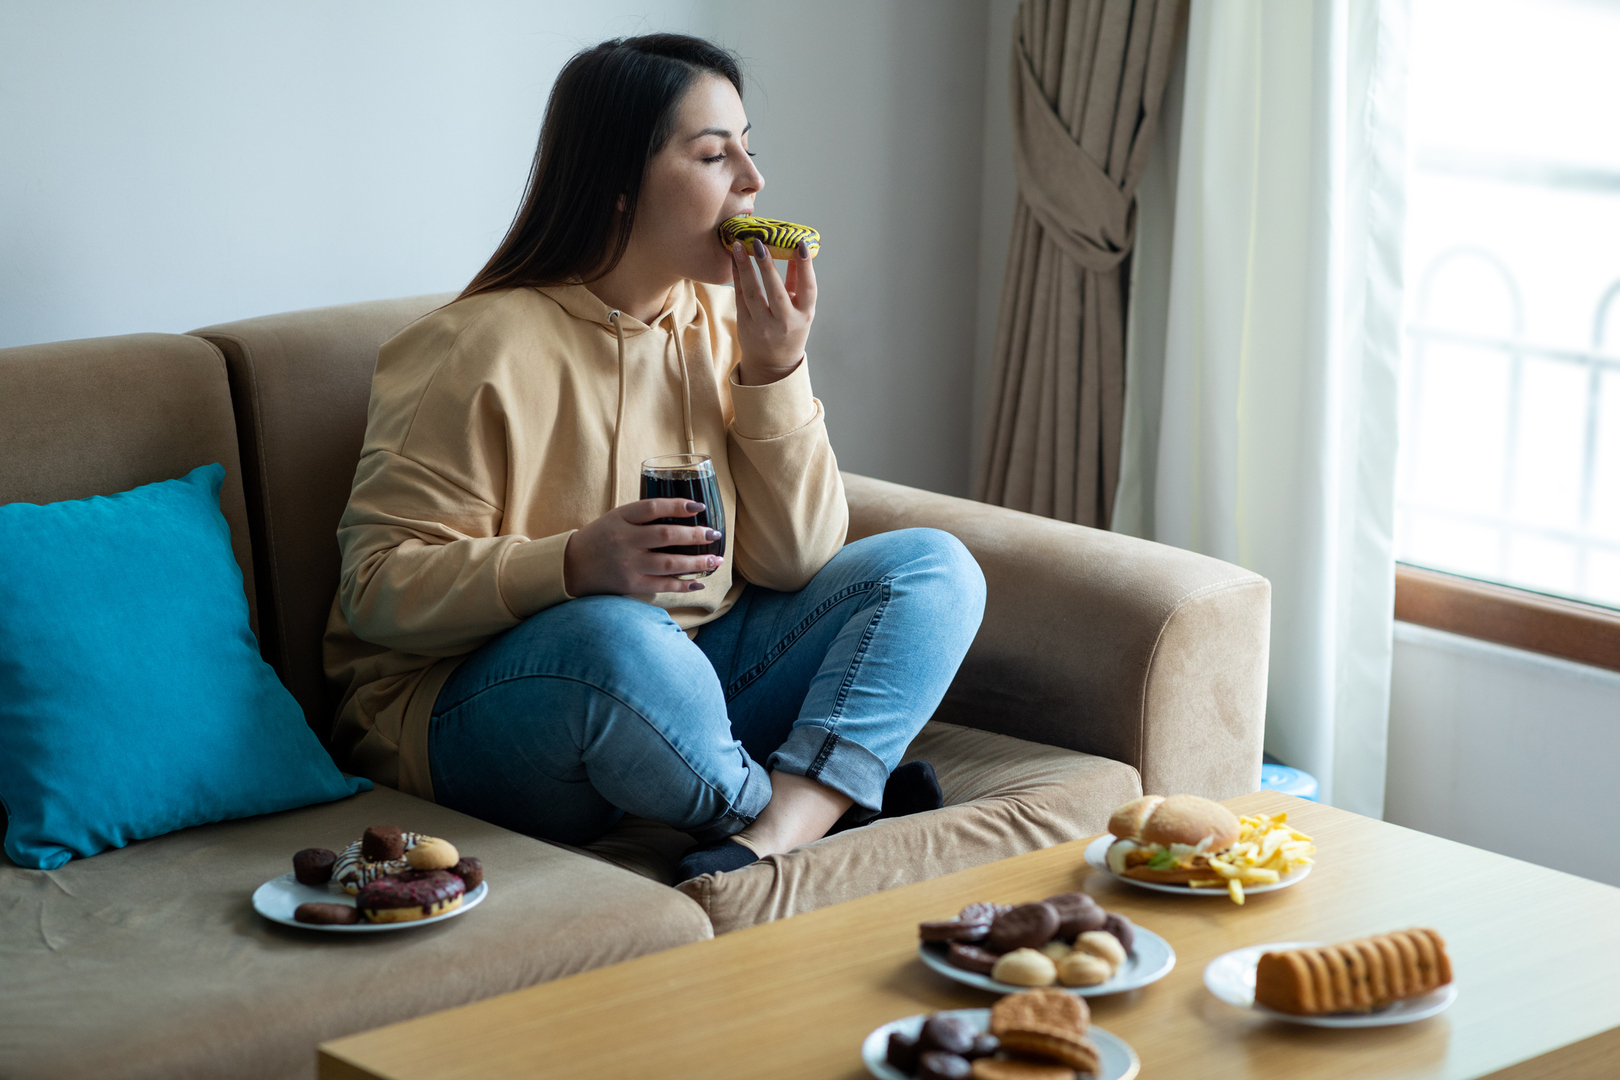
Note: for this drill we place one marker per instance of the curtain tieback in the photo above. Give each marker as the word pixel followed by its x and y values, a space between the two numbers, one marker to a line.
pixel 1081 209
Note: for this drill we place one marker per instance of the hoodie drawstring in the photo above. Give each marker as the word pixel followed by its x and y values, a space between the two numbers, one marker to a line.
pixel 686 385
pixel 616 317
pixel 618 422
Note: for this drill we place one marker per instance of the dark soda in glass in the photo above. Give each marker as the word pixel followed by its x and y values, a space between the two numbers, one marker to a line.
pixel 687 476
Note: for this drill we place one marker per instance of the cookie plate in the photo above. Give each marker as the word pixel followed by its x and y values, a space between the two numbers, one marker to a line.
pixel 1230 977
pixel 279 897
pixel 1117 1060
pixel 1150 960
pixel 1097 859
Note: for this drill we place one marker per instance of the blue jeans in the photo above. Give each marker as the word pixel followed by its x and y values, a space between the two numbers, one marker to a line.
pixel 602 705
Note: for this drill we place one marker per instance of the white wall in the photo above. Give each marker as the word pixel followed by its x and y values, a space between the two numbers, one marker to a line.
pixel 165 165
pixel 1506 750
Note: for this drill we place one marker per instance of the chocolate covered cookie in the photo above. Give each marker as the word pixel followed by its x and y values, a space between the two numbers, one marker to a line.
pixel 1121 927
pixel 971 958
pixel 1078 913
pixel 313 866
pixel 937 1065
pixel 326 914
pixel 952 930
pixel 951 1034
pixel 902 1052
pixel 1027 926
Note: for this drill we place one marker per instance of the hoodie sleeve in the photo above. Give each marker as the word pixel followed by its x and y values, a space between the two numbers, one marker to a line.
pixel 426 567
pixel 424 570
pixel 791 513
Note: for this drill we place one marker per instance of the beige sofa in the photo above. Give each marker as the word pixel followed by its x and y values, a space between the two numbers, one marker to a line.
pixel 1105 666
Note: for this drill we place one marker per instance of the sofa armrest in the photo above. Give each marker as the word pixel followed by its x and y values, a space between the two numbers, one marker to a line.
pixel 1102 643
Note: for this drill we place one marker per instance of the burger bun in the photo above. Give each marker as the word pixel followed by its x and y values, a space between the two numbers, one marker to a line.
pixel 1200 869
pixel 1190 820
pixel 1126 822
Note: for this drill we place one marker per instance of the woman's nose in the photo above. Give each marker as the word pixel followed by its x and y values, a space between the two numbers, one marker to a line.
pixel 752 180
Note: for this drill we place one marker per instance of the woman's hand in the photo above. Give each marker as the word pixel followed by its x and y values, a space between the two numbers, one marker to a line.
pixel 614 555
pixel 773 317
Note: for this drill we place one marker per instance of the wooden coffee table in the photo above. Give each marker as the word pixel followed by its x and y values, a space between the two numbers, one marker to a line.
pixel 1536 955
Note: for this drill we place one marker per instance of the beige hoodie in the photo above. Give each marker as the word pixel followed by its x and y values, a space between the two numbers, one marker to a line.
pixel 500 424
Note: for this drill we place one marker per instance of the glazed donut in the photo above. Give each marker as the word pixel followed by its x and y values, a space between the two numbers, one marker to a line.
pixel 781 238
pixel 415 894
pixel 353 871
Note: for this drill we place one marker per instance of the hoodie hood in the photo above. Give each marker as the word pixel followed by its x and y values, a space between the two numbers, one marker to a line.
pixel 681 311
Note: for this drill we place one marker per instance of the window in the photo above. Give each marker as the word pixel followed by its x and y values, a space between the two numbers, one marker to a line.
pixel 1510 381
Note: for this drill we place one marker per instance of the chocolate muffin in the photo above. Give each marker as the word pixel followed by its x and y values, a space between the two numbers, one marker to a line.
pixel 313 866
pixel 470 871
pixel 383 843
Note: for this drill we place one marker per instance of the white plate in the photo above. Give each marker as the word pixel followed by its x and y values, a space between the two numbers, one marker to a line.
pixel 1230 977
pixel 278 898
pixel 1150 960
pixel 1097 859
pixel 1117 1061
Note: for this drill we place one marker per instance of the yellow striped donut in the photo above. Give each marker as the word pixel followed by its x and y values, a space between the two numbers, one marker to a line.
pixel 780 237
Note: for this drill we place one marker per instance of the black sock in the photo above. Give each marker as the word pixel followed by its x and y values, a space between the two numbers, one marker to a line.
pixel 714 859
pixel 911 789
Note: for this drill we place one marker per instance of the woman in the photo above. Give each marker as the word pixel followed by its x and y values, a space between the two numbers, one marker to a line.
pixel 507 638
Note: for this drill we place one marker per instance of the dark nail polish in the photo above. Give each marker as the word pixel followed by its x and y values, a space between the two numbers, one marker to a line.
pixel 758 249
pixel 696 585
pixel 711 535
pixel 804 249
pixel 694 507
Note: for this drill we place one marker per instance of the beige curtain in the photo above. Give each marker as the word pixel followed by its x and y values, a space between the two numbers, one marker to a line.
pixel 1088 77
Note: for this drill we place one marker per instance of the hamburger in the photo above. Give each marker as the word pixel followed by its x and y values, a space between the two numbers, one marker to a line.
pixel 1169 839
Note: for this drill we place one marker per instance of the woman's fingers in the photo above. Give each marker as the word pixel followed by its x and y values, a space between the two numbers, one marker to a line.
pixel 679 535
pixel 738 265
pixel 748 290
pixel 803 270
pixel 775 293
pixel 659 565
pixel 639 513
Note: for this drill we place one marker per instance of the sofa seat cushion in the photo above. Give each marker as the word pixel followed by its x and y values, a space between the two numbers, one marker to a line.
pixel 1003 796
pixel 150 962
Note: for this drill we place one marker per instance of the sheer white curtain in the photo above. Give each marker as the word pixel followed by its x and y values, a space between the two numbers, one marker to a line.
pixel 1261 411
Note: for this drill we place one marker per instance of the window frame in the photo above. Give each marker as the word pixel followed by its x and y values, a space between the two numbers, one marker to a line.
pixel 1570 629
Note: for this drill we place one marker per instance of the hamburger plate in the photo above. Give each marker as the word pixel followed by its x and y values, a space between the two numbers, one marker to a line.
pixel 1193 844
pixel 1097 858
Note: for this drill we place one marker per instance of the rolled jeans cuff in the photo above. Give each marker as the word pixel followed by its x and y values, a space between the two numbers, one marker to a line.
pixel 839 763
pixel 750 801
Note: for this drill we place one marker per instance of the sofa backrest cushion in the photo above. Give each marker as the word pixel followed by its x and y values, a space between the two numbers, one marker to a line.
pixel 101 415
pixel 301 382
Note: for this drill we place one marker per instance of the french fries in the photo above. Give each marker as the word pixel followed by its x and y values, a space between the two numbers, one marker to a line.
pixel 1266 849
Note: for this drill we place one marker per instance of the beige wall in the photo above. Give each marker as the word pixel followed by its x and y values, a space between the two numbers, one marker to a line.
pixel 168 165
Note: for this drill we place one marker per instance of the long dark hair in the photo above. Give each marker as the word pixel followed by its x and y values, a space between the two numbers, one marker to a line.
pixel 612 109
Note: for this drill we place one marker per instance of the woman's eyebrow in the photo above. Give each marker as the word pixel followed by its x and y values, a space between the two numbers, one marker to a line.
pixel 722 132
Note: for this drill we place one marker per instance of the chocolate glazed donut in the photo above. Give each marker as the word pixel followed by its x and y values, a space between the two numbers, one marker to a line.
pixel 415 894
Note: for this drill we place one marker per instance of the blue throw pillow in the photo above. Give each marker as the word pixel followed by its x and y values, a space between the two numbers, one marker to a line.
pixel 133 701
